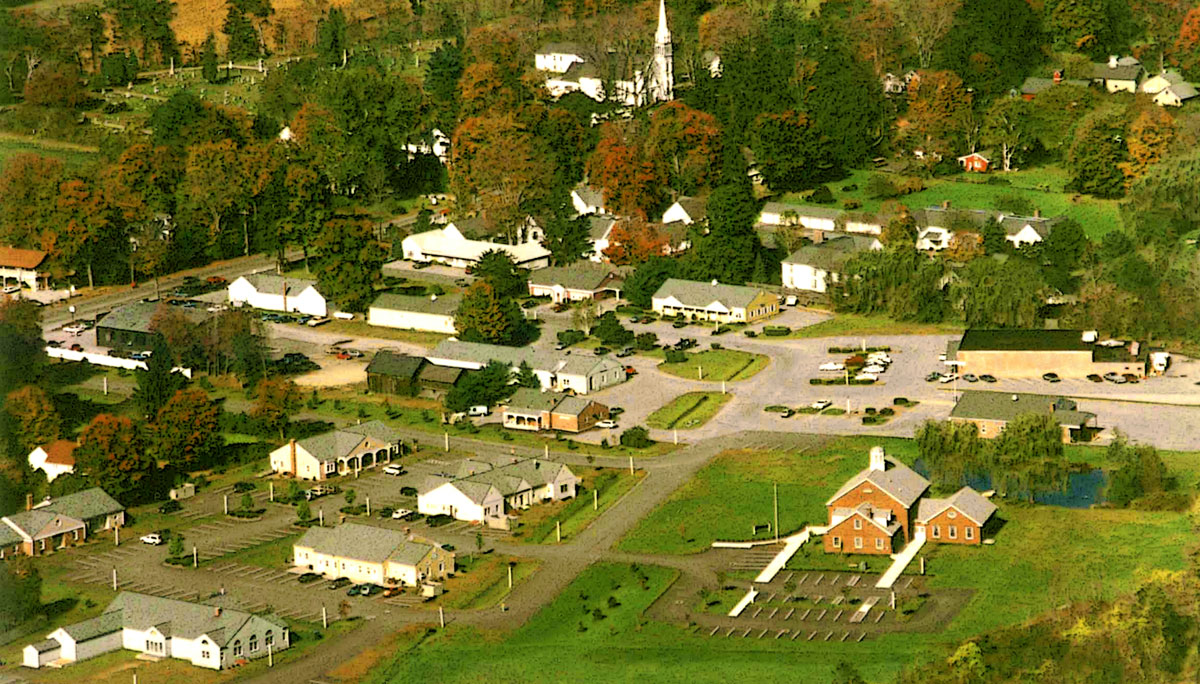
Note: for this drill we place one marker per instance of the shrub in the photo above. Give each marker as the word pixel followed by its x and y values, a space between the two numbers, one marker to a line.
pixel 822 195
pixel 775 408
pixel 887 411
pixel 909 185
pixel 645 341
pixel 676 356
pixel 243 486
pixel 900 401
pixel 714 345
pixel 776 330
pixel 636 437
pixel 246 513
pixel 880 186
pixel 870 410
pixel 851 204
pixel 569 337
pixel 849 188
pixel 749 333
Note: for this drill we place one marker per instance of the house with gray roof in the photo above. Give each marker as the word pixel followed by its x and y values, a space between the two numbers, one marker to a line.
pixel 343 451
pixel 687 210
pixel 209 636
pixel 487 492
pixel 434 313
pixel 992 411
pixel 575 283
pixel 1118 74
pixel 713 301
pixel 535 410
pixel 587 199
pixel 59 523
pixel 272 292
pixel 581 373
pixel 129 326
pixel 960 518
pixel 872 512
pixel 370 554
pixel 820 263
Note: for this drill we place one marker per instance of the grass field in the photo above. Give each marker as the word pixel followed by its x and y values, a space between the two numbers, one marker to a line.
pixel 276 554
pixel 608 486
pixel 846 325
pixel 482 581
pixel 73 156
pixel 688 411
pixel 1043 187
pixel 715 365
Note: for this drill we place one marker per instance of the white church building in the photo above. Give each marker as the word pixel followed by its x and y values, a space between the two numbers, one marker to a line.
pixel 569 68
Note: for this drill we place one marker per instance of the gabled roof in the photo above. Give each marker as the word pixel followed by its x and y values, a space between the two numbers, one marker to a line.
pixel 60 452
pixel 1123 71
pixel 335 444
pixel 474 490
pixel 134 317
pixel 13 257
pixel 269 283
pixel 593 197
pixel 367 543
pixel 1006 406
pixel 84 505
pixel 897 481
pixel 445 375
pixel 695 207
pixel 183 619
pixel 832 253
pixel 449 242
pixel 105 623
pixel 580 276
pixel 561 48
pixel 599 225
pixel 444 305
pixel 572 406
pixel 966 501
pixel 1041 225
pixel 395 364
pixel 529 400
pixel 1183 91
pixel 698 294
pixel 30 523
pixel 866 510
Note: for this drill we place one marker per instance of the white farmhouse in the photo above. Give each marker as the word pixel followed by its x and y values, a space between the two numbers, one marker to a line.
pixel 206 636
pixel 278 293
pixel 54 459
pixel 449 246
pixel 686 210
pixel 408 312
pixel 816 266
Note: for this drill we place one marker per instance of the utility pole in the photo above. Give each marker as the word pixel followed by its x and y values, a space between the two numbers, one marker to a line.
pixel 442 616
pixel 272 486
pixel 776 486
pixel 324 618
pixel 595 500
pixel 631 465
pixel 558 531
pixel 114 579
pixel 195 557
pixel 226 504
pixel 509 576
pixel 447 435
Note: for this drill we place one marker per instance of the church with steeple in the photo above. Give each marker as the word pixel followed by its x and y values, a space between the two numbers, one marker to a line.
pixel 604 74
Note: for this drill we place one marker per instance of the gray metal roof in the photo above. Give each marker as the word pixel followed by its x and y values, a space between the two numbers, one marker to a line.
pixel 598 226
pixel 337 443
pixel 581 276
pixel 802 210
pixel 31 522
pixel 1006 406
pixel 46 645
pixel 444 305
pixel 367 543
pixel 135 317
pixel 591 196
pixel 572 406
pixel 966 501
pixel 897 480
pixel 533 401
pixel 183 618
pixel 84 505
pixel 395 364
pixel 695 207
pixel 1121 72
pixel 699 294
pixel 8 535
pixel 107 623
pixel 830 254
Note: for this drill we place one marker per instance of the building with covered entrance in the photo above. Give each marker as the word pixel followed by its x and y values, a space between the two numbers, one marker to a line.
pixel 59 523
pixel 338 452
pixel 714 301
pixel 20 267
pixel 533 410
pixel 365 553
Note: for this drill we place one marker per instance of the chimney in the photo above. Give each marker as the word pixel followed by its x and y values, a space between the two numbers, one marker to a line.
pixel 1057 76
pixel 29 502
pixel 292 444
pixel 945 204
pixel 216 611
pixel 1112 61
pixel 878 461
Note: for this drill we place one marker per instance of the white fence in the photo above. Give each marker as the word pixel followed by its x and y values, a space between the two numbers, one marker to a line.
pixel 105 360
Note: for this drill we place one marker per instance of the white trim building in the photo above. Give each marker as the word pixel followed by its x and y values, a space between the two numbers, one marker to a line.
pixel 409 312
pixel 276 293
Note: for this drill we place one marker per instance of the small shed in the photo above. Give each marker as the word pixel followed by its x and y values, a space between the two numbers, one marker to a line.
pixel 974 163
pixel 184 491
pixel 394 373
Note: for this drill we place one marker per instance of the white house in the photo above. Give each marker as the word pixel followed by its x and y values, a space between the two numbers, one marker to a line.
pixel 599 234
pixel 436 143
pixel 485 492
pixel 713 301
pixel 582 373
pixel 54 459
pixel 1118 74
pixel 278 293
pixel 575 283
pixel 686 210
pixel 365 553
pixel 407 312
pixel 558 57
pixel 338 452
pixel 813 218
pixel 816 266
pixel 1168 88
pixel 21 267
pixel 587 199
pixel 448 246
pixel 207 636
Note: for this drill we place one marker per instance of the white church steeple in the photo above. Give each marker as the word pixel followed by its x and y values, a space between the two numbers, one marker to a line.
pixel 662 85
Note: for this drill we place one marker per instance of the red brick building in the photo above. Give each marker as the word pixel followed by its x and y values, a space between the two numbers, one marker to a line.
pixel 871 512
pixel 957 520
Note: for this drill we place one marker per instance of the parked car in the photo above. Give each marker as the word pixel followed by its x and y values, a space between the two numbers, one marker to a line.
pixel 866 376
pixel 987 378
pixel 393 469
pixel 821 404
pixel 679 323
pixel 1095 378
pixel 153 539
pixel 317 321
pixel 832 366
pixel 354 590
pixel 392 591
pixel 615 411
pixel 308 578
pixel 601 351
pixel 216 281
pixel 879 357
pixel 685 343
pixel 791 300
pixel 933 376
pixel 873 368
pixel 54 343
pixel 140 355
pixel 77 347
pixel 338 583
pixel 634 319
pixel 75 329
pixel 478 411
pixel 1131 378
pixel 401 513
pixel 971 377
pixel 948 377
pixel 1051 377
pixel 606 424
pixel 627 351
pixel 368 589
pixel 170 507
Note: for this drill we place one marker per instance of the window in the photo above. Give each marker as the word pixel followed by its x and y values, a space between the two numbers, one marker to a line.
pixel 952 515
pixel 969 532
pixel 270 638
pixel 237 648
pixel 953 531
pixel 253 643
pixel 879 543
pixel 562 489
pixel 868 490
pixel 858 523
pixel 837 542
pixel 858 542
pixel 937 532
pixel 42 545
pixel 204 654
pixel 441 567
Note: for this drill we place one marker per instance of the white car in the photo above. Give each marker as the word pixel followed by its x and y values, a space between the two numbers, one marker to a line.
pixel 401 513
pixel 879 357
pixel 832 366
pixel 874 369
pixel 606 424
pixel 948 377
pixel 154 539
pixel 866 376
pixel 312 323
pixel 477 411
pixel 77 329
pixel 393 469
pixel 821 405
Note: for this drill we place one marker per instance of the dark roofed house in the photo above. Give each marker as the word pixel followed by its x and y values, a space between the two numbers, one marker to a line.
pixel 530 409
pixel 128 327
pixel 818 264
pixel 977 339
pixel 436 381
pixel 391 372
pixel 587 199
pixel 574 283
pixel 992 411
pixel 1118 74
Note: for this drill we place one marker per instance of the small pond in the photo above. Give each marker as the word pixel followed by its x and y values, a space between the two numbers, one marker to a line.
pixel 1084 489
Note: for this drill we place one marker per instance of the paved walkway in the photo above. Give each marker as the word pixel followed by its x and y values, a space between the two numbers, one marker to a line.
pixel 902 560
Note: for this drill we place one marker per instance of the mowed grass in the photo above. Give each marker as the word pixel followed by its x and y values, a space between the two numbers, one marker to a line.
pixel 733 493
pixel 600 488
pixel 74 157
pixel 688 411
pixel 714 365
pixel 845 325
pixel 481 581
pixel 1043 187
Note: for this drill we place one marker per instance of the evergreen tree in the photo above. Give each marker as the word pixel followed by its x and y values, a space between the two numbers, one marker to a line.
pixel 497 268
pixel 157 384
pixel 567 238
pixel 526 377
pixel 483 316
pixel 208 59
pixel 242 38
pixel 1095 158
pixel 331 37
pixel 20 591
pixel 729 250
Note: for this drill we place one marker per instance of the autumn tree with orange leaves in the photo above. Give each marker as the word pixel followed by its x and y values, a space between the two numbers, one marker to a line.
pixel 938 108
pixel 631 180
pixel 633 241
pixel 686 144
pixel 504 166
pixel 186 431
pixel 112 452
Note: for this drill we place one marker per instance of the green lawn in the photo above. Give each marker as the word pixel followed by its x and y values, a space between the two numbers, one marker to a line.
pixel 715 365
pixel 609 485
pixel 846 325
pixel 688 411
pixel 276 554
pixel 1043 187
pixel 482 581
pixel 733 493
pixel 73 157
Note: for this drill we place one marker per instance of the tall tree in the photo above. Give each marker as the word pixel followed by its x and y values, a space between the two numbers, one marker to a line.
pixel 28 194
pixel 634 240
pixel 938 106
pixel 995 294
pixel 274 403
pixel 483 316
pixel 791 153
pixel 35 419
pixel 1150 137
pixel 20 592
pixel 1009 126
pixel 208 59
pixel 991 61
pixel 1095 158
pixel 497 268
pixel 927 22
pixel 348 262
pixel 84 217
pixel 213 181
pixel 185 432
pixel 729 251
pixel 686 143
pixel 567 237
pixel 112 452
pixel 331 37
pixel 631 181
pixel 157 384
pixel 501 163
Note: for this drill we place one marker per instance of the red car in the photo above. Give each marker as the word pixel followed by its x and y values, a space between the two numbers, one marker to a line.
pixel 216 280
pixel 630 370
pixel 77 347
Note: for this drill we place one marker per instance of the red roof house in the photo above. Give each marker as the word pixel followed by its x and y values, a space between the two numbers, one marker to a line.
pixel 974 163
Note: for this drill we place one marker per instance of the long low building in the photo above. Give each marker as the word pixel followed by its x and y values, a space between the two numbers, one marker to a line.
pixel 534 410
pixel 574 283
pixel 487 492
pixel 409 312
pixel 992 411
pixel 344 451
pixel 449 246
pixel 59 523
pixel 1033 353
pixel 814 267
pixel 278 293
pixel 556 371
pixel 208 636
pixel 713 301
pixel 365 553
